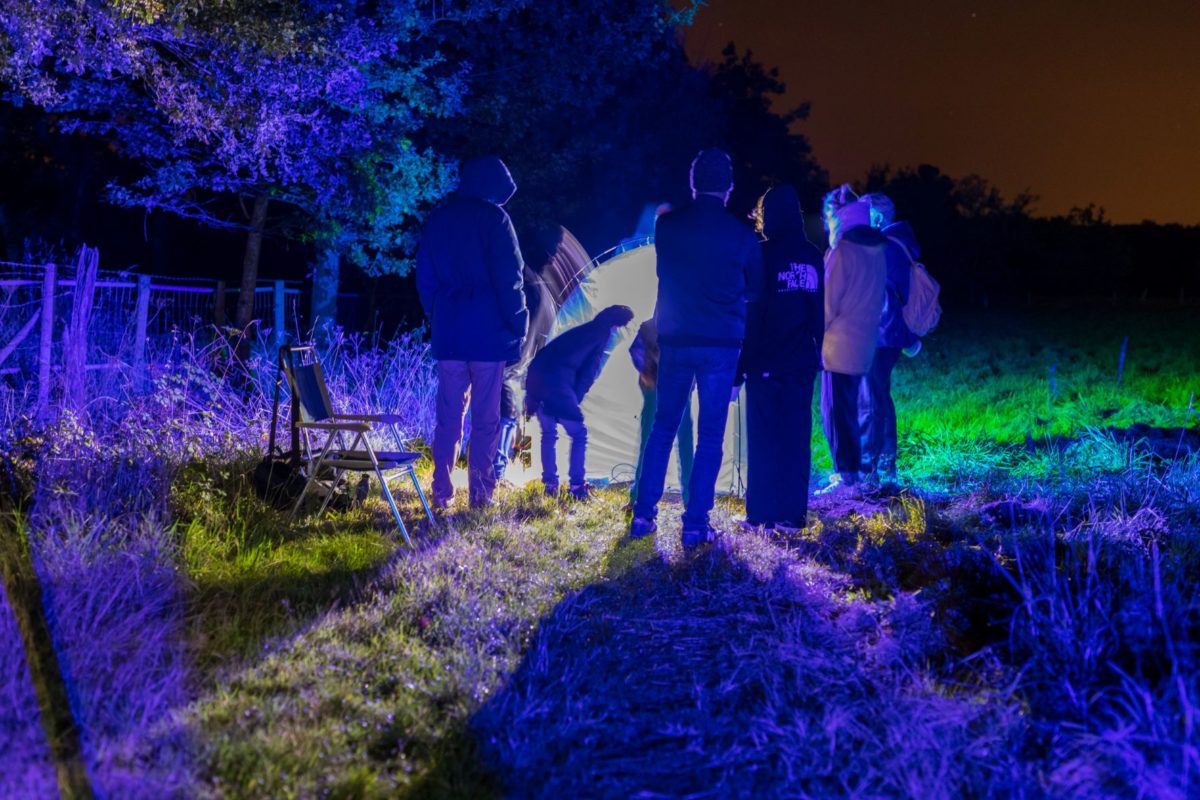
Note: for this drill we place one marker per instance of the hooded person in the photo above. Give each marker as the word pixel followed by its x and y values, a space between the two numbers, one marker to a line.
pixel 855 283
pixel 469 276
pixel 709 264
pixel 780 360
pixel 559 377
pixel 876 409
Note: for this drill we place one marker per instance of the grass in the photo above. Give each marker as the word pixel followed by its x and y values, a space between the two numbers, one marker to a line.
pixel 1019 622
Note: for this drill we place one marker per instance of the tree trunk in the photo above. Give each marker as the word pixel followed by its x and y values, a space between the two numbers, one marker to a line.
pixel 245 303
pixel 325 288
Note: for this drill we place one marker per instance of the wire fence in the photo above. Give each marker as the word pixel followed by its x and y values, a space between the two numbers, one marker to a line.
pixel 133 316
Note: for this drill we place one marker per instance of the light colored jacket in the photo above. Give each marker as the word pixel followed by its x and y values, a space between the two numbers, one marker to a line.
pixel 855 281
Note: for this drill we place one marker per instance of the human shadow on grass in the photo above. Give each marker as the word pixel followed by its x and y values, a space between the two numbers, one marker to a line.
pixel 722 674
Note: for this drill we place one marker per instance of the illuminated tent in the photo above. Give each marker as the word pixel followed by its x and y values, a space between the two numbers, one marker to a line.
pixel 613 407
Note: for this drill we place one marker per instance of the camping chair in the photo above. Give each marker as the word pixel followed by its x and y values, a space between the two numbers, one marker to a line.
pixel 313 417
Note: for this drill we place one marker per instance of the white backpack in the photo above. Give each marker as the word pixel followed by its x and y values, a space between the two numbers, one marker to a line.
pixel 922 311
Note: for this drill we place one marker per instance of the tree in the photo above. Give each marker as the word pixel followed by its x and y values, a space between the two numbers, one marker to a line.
pixel 306 105
pixel 764 143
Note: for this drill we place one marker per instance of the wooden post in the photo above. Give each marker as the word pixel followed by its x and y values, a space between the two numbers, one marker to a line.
pixel 139 336
pixel 219 305
pixel 46 346
pixel 278 336
pixel 24 594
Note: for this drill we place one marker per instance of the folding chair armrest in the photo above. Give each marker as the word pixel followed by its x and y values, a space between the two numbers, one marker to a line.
pixel 386 419
pixel 357 427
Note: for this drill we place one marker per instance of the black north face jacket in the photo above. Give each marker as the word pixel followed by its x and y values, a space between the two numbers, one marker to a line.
pixel 785 325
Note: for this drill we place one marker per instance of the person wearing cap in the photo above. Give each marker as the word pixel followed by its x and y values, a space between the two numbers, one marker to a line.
pixel 709 264
pixel 780 360
pixel 876 409
pixel 469 277
pixel 855 283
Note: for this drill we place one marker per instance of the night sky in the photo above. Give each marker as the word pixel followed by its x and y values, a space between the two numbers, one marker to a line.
pixel 1094 101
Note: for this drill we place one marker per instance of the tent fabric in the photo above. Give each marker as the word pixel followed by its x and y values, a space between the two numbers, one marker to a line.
pixel 612 408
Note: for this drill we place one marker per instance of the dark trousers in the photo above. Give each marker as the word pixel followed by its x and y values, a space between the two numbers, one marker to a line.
pixel 779 447
pixel 454 379
pixel 877 411
pixel 578 433
pixel 685 444
pixel 839 414
pixel 710 370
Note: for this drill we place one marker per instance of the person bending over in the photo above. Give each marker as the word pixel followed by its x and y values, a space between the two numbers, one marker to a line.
pixel 560 375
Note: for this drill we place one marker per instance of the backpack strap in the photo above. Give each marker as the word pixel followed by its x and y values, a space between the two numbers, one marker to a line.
pixel 903 247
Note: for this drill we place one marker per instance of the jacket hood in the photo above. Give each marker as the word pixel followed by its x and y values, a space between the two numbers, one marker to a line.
pixel 781 211
pixel 904 233
pixel 487 177
pixel 864 235
pixel 855 214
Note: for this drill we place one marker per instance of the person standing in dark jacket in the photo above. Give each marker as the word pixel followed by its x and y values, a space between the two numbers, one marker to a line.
pixel 560 375
pixel 876 409
pixel 780 360
pixel 709 265
pixel 469 276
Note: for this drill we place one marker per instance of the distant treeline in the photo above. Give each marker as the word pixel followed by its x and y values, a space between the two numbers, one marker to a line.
pixel 987 250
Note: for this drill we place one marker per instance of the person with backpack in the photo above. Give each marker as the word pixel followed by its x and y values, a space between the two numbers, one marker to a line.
pixel 469 276
pixel 855 284
pixel 780 360
pixel 560 375
pixel 876 409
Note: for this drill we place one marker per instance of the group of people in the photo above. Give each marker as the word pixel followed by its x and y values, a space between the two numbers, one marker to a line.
pixel 767 311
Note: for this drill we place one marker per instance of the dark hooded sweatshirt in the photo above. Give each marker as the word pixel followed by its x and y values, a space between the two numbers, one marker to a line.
pixel 892 330
pixel 784 326
pixel 565 369
pixel 469 269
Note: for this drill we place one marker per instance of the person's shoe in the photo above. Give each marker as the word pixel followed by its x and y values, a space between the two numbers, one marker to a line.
pixel 550 489
pixel 787 527
pixel 838 486
pixel 640 527
pixel 581 492
pixel 750 526
pixel 870 480
pixel 691 538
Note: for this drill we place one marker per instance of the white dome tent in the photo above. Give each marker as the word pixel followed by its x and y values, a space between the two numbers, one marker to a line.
pixel 612 408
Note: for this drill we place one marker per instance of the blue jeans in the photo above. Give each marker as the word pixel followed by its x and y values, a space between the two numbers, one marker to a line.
pixel 578 433
pixel 711 371
pixel 508 432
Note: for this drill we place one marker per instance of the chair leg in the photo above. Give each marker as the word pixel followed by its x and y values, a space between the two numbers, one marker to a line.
pixel 337 478
pixel 412 473
pixel 387 493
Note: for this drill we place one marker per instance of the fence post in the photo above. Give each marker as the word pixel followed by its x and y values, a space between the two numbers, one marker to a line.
pixel 219 305
pixel 46 346
pixel 279 314
pixel 139 336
